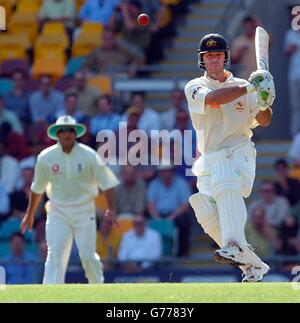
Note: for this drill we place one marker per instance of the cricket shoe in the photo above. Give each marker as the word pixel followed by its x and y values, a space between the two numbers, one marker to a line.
pixel 253 274
pixel 232 254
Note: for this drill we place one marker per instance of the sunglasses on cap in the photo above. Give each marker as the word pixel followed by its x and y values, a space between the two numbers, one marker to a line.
pixel 66 129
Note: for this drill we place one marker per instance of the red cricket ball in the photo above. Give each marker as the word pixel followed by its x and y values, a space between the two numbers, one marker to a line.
pixel 143 19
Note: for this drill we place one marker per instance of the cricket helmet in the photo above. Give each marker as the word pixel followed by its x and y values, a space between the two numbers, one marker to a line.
pixel 212 43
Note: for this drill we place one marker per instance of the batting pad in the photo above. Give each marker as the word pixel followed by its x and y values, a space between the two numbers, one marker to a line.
pixel 206 213
pixel 227 191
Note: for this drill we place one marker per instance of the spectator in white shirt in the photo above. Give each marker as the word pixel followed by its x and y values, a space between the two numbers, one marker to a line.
pixel 140 246
pixel 149 119
pixel 277 207
pixel 9 170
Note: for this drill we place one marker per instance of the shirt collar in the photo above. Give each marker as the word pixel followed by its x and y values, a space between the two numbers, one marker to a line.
pixel 72 151
pixel 217 83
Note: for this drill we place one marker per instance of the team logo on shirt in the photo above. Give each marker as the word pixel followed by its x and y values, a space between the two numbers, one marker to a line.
pixel 239 107
pixel 80 167
pixel 55 169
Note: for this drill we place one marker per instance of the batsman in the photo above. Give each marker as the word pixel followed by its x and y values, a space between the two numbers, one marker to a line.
pixel 224 110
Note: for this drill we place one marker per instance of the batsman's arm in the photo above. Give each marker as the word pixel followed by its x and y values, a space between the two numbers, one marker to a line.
pixel 227 95
pixel 264 117
pixel 28 220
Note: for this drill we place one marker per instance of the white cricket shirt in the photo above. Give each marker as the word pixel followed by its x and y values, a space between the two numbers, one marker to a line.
pixel 225 126
pixel 71 179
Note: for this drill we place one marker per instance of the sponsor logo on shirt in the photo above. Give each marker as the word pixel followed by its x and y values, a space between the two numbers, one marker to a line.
pixel 195 92
pixel 239 107
pixel 55 169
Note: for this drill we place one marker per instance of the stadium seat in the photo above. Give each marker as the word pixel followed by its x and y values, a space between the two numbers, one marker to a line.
pixel 168 233
pixel 54 28
pixel 16 52
pixel 28 6
pixel 24 23
pixel 91 28
pixel 53 40
pixel 11 226
pixel 84 44
pixel 53 66
pixel 6 85
pixel 50 52
pixel 75 64
pixel 9 66
pixel 124 224
pixel 101 202
pixel 102 82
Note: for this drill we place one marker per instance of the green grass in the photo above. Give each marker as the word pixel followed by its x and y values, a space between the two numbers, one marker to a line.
pixel 153 293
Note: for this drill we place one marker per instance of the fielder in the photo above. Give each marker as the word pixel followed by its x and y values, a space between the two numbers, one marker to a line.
pixel 70 173
pixel 223 110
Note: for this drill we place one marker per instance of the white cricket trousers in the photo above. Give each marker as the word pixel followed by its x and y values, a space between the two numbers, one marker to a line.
pixel 63 225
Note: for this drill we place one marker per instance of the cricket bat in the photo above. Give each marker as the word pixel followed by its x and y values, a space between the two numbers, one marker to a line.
pixel 262 40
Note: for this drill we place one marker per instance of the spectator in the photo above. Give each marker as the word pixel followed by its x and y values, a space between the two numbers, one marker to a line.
pixel 187 152
pixel 97 11
pixel 168 199
pixel 168 117
pixel 10 117
pixel 108 241
pixel 288 234
pixel 9 170
pixel 277 207
pixel 131 194
pixel 15 143
pixel 46 102
pixel 286 186
pixel 111 55
pixel 4 203
pixel 17 264
pixel 132 32
pixel 294 151
pixel 58 10
pixel 71 109
pixel 18 99
pixel 140 247
pixel 149 119
pixel 87 95
pixel 106 119
pixel 292 51
pixel 243 48
pixel 19 199
pixel 260 235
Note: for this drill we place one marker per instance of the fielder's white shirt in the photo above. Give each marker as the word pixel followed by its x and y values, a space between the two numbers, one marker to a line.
pixel 71 179
pixel 225 126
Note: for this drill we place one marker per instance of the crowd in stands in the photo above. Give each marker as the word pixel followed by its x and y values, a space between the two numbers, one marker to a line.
pixel 273 227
